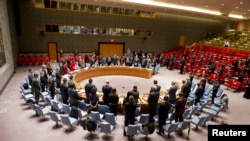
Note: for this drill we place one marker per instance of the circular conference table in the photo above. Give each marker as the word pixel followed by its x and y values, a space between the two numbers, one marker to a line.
pixel 84 74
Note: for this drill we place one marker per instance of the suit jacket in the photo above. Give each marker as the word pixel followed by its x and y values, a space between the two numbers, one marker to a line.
pixel 199 92
pixel 172 93
pixel 88 88
pixel 163 110
pixel 30 78
pixel 51 85
pixel 185 90
pixel 113 99
pixel 153 100
pixel 180 106
pixel 106 89
pixel 130 108
pixel 135 95
pixel 73 97
pixel 36 87
pixel 64 92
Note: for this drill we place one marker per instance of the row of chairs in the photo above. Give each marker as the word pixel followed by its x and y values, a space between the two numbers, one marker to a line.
pixel 27 60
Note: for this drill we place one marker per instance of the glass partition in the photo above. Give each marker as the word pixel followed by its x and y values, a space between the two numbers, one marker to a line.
pixel 93 30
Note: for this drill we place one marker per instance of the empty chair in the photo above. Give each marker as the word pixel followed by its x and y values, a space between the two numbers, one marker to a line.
pixel 143 119
pixel 66 108
pixel 81 114
pixel 48 100
pixel 147 129
pixel 169 128
pixel 214 110
pixel 131 130
pixel 171 117
pixel 183 126
pixel 25 91
pixel 96 116
pixel 56 105
pixel 83 106
pixel 194 110
pixel 102 109
pixel 186 113
pixel 41 111
pixel 208 118
pixel 68 121
pixel 110 118
pixel 198 121
pixel 28 97
pixel 44 94
pixel 55 117
pixel 202 105
pixel 106 128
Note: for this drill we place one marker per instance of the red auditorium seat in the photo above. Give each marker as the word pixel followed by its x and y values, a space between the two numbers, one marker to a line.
pixel 34 60
pixel 46 59
pixel 229 83
pixel 27 60
pixel 236 85
pixel 40 60
pixel 21 60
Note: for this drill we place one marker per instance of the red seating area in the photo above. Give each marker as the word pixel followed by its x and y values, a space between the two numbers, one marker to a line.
pixel 218 55
pixel 32 59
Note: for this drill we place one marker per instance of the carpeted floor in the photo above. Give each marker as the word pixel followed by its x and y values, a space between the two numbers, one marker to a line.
pixel 19 123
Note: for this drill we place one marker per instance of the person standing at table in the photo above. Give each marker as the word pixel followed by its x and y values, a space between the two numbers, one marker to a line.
pixel 93 99
pixel 180 107
pixel 88 87
pixel 113 101
pixel 129 109
pixel 153 103
pixel 163 111
pixel 106 89
pixel 172 93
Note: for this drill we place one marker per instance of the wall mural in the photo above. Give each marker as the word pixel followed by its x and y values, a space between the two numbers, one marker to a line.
pixel 2 53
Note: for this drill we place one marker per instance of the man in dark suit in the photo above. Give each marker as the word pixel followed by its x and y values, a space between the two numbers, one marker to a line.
pixel 180 107
pixel 30 76
pixel 184 88
pixel 106 89
pixel 153 103
pixel 198 93
pixel 88 88
pixel 73 100
pixel 64 91
pixel 163 111
pixel 51 87
pixel 36 87
pixel 134 93
pixel 172 93
pixel 129 109
pixel 158 87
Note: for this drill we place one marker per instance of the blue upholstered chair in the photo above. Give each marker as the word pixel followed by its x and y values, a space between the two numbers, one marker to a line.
pixel 68 121
pixel 55 117
pixel 106 128
pixel 169 128
pixel 110 118
pixel 131 130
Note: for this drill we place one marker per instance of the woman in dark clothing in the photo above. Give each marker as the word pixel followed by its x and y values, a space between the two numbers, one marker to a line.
pixel 113 101
pixel 93 99
pixel 215 89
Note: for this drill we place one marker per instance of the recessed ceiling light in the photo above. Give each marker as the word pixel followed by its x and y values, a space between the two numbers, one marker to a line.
pixel 222 4
pixel 206 5
pixel 241 2
pixel 182 1
pixel 236 7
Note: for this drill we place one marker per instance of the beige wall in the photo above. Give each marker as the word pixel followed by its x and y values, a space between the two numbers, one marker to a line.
pixel 6 70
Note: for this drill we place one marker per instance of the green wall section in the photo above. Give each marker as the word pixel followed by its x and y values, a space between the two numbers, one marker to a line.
pixel 167 30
